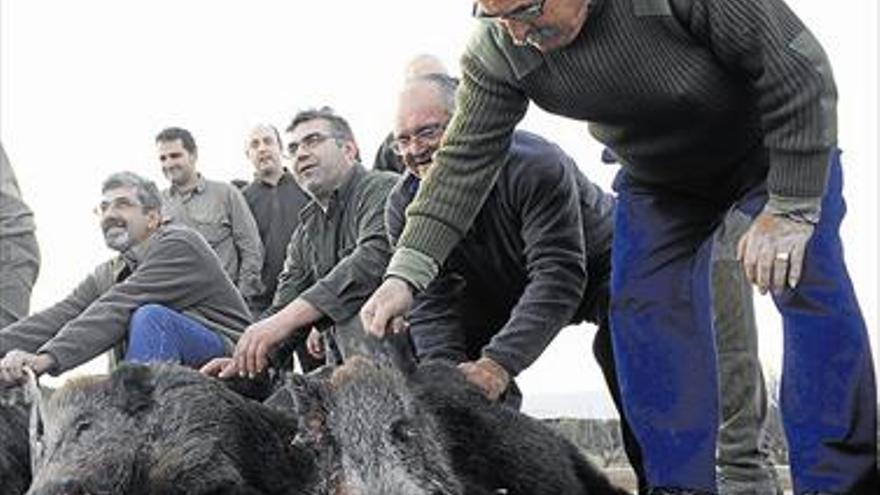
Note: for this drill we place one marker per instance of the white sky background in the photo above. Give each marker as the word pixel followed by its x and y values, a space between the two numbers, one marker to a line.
pixel 86 85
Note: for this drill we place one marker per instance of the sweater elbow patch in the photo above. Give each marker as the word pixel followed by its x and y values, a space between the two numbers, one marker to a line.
pixel 806 45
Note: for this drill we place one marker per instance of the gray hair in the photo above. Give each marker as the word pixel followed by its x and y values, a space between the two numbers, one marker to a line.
pixel 445 85
pixel 147 192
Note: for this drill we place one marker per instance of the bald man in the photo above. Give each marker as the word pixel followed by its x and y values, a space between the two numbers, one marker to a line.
pixel 420 65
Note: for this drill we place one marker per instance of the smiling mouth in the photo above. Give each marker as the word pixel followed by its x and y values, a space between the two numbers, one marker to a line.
pixel 307 167
pixel 114 230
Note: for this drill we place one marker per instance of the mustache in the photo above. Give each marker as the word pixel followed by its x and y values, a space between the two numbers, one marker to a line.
pixel 109 223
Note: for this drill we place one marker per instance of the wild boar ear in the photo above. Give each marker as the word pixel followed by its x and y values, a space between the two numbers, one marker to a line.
pixel 310 401
pixel 132 387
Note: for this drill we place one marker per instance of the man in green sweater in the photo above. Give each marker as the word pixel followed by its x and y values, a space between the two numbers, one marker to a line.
pixel 715 108
pixel 164 298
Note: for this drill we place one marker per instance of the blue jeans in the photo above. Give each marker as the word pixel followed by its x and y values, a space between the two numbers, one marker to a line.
pixel 156 333
pixel 665 350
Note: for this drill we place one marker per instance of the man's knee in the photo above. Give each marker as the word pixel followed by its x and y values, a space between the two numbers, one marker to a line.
pixel 147 316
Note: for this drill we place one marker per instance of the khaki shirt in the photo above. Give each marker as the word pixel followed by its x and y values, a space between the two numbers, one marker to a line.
pixel 219 212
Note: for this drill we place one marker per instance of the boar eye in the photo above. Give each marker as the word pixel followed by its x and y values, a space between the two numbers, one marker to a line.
pixel 82 426
pixel 401 430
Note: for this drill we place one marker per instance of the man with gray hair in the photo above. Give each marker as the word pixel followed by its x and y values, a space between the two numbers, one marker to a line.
pixel 164 298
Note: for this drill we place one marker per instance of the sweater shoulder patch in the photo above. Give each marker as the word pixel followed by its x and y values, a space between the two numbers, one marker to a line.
pixel 497 53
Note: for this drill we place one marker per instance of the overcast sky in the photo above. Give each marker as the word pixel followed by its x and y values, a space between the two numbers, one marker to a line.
pixel 86 85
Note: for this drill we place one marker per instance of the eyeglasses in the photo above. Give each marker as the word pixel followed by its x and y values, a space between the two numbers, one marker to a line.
pixel 422 135
pixel 121 203
pixel 523 13
pixel 309 142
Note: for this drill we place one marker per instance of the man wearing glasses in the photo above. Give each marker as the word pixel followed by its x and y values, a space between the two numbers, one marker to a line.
pixel 715 108
pixel 164 298
pixel 337 255
pixel 536 259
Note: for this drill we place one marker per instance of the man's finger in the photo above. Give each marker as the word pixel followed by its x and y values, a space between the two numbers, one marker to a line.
pixel 262 360
pixel 780 271
pixel 380 321
pixel 367 314
pixel 763 270
pixel 796 265
pixel 250 359
pixel 228 370
pixel 749 261
pixel 241 361
pixel 212 367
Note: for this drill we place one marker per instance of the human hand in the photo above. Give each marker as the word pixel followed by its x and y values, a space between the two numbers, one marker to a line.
pixel 488 375
pixel 315 344
pixel 772 251
pixel 221 367
pixel 387 307
pixel 13 364
pixel 251 353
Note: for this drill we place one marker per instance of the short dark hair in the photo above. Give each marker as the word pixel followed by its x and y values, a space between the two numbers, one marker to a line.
pixel 338 124
pixel 147 192
pixel 174 133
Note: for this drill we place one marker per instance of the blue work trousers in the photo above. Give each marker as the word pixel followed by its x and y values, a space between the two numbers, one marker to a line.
pixel 665 347
pixel 157 333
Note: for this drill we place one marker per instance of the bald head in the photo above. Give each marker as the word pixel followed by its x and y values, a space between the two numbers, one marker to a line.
pixel 424 64
pixel 424 108
pixel 263 149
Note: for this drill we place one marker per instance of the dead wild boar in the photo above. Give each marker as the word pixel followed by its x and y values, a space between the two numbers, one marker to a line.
pixel 163 429
pixel 496 449
pixel 431 432
pixel 369 436
pixel 15 469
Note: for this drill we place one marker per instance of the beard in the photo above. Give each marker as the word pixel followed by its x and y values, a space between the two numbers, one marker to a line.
pixel 118 238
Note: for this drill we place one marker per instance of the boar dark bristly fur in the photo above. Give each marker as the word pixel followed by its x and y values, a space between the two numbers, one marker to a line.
pixel 495 449
pixel 372 435
pixel 165 429
pixel 15 469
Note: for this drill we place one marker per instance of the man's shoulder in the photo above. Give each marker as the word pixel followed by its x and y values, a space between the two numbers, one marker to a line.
pixel 221 186
pixel 534 153
pixel 378 180
pixel 492 48
pixel 177 232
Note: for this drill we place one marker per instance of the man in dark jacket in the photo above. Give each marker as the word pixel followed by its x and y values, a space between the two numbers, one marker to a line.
pixel 165 297
pixel 336 256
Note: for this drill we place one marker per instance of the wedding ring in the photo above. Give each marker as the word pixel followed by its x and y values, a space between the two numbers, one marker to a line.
pixel 781 256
